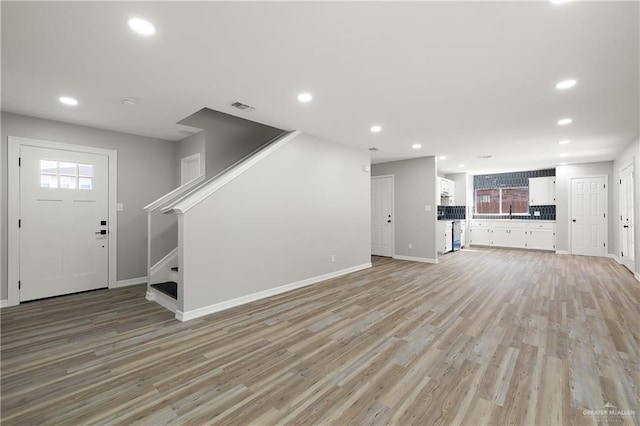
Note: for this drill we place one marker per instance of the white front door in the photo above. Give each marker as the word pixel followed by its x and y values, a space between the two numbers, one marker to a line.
pixel 627 226
pixel 588 221
pixel 63 222
pixel 382 216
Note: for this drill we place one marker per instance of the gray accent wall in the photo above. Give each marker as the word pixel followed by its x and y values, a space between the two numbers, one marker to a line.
pixel 563 198
pixel 278 223
pixel 146 171
pixel 194 144
pixel 228 138
pixel 415 184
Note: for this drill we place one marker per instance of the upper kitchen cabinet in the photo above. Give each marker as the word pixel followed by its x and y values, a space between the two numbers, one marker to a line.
pixel 447 190
pixel 542 191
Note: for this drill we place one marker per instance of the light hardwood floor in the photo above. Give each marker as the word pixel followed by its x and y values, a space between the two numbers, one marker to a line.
pixel 486 336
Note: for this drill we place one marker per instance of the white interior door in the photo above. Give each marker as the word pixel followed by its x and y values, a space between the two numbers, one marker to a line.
pixel 63 222
pixel 382 216
pixel 588 221
pixel 627 226
pixel 189 168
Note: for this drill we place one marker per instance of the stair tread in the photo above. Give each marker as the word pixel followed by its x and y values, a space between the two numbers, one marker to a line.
pixel 170 288
pixel 175 268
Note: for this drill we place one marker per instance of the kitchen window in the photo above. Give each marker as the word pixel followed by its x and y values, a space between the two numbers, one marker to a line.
pixel 503 201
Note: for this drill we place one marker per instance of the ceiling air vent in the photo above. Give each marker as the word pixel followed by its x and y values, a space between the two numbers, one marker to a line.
pixel 485 156
pixel 374 149
pixel 242 106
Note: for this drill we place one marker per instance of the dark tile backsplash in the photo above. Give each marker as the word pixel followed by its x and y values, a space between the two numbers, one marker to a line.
pixel 452 212
pixel 509 180
pixel 546 213
pixel 514 180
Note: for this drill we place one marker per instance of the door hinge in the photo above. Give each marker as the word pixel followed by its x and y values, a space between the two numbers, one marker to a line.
pixel 604 244
pixel 620 181
pixel 19 285
pixel 604 186
pixel 604 215
pixel 19 223
pixel 19 161
pixel 621 254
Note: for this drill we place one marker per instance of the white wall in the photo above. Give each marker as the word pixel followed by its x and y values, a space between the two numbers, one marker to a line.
pixel 146 171
pixel 563 195
pixel 278 223
pixel 628 156
pixel 415 187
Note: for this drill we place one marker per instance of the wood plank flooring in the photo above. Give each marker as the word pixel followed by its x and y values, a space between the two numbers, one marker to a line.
pixel 487 336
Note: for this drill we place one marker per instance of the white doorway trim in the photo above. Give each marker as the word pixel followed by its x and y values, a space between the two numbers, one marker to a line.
pixel 393 211
pixel 606 211
pixel 629 264
pixel 185 164
pixel 13 207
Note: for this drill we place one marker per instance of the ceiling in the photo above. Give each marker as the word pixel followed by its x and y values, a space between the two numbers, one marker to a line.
pixel 463 79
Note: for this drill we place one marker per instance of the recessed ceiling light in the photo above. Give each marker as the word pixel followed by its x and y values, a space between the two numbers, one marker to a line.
pixel 68 101
pixel 376 128
pixel 460 165
pixel 564 142
pixel 564 121
pixel 442 157
pixel 563 164
pixel 305 97
pixel 416 146
pixel 564 154
pixel 141 26
pixel 565 84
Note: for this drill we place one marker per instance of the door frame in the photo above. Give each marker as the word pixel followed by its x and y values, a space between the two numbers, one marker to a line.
pixel 624 167
pixel 393 212
pixel 606 211
pixel 13 207
pixel 187 160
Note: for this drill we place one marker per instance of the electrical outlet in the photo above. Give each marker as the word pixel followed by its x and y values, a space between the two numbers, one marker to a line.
pixel 410 245
pixel 333 257
pixel 536 213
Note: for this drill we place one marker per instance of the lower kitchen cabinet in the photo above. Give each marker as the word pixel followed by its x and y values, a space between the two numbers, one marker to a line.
pixel 523 234
pixel 480 236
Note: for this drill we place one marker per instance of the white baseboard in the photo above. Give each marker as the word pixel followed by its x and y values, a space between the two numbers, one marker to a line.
pixel 614 257
pixel 162 300
pixel 562 252
pixel 4 303
pixel 164 262
pixel 637 275
pixel 415 259
pixel 131 281
pixel 217 307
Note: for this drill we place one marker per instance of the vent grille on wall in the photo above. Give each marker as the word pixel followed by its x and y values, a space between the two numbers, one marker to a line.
pixel 242 106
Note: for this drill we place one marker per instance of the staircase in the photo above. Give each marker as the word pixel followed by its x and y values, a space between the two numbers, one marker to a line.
pixel 165 276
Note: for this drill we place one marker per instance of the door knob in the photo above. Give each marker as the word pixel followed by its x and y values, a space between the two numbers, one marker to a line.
pixel 389 221
pixel 573 220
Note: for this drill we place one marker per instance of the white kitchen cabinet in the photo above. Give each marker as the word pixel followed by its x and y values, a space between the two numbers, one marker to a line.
pixel 463 236
pixel 541 236
pixel 542 191
pixel 447 188
pixel 523 234
pixel 445 236
pixel 480 233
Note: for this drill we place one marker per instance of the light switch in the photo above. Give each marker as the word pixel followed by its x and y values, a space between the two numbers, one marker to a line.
pixel 536 213
pixel 120 207
pixel 427 208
